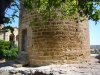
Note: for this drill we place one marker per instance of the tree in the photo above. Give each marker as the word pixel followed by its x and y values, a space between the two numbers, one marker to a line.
pixel 4 4
pixel 67 8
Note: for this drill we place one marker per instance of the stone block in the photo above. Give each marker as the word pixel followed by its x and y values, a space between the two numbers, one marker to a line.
pixel 5 73
pixel 18 74
pixel 17 65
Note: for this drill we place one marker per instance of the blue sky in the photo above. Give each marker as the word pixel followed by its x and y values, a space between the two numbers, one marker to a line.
pixel 94 30
pixel 94 33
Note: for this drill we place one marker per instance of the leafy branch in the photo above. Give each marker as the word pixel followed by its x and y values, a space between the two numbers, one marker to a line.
pixel 66 8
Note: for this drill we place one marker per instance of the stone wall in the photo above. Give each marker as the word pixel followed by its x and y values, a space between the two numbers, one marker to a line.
pixel 1 32
pixel 7 35
pixel 68 44
pixel 1 35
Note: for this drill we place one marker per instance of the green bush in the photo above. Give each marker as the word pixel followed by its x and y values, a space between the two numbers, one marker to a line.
pixel 10 54
pixel 7 53
pixel 7 45
pixel 15 48
pixel 1 54
pixel 4 45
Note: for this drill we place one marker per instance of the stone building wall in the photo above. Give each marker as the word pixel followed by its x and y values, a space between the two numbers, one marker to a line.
pixel 1 35
pixel 1 32
pixel 68 44
pixel 7 35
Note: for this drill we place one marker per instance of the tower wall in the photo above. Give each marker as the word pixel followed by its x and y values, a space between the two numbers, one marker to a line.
pixel 68 44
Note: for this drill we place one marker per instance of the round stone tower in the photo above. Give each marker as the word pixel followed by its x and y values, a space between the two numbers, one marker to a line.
pixel 68 44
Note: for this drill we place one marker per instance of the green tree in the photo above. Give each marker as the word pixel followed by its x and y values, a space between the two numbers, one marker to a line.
pixel 67 8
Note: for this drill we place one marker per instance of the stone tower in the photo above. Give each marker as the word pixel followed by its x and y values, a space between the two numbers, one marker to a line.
pixel 68 44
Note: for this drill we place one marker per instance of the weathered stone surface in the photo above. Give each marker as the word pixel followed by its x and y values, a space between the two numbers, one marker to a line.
pixel 16 65
pixel 18 74
pixel 22 60
pixel 68 44
pixel 91 67
pixel 4 73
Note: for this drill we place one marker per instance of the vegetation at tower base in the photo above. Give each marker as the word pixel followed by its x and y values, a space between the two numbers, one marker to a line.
pixel 67 8
pixel 6 52
pixel 4 45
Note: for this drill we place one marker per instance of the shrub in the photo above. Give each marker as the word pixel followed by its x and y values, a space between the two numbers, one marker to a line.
pixel 4 45
pixel 1 54
pixel 9 54
pixel 7 45
pixel 15 49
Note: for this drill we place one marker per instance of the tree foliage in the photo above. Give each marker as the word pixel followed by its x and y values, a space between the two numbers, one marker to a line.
pixel 15 8
pixel 67 8
pixel 6 52
pixel 7 28
pixel 4 6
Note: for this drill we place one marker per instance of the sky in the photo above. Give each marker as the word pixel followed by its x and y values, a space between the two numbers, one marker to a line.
pixel 94 33
pixel 93 30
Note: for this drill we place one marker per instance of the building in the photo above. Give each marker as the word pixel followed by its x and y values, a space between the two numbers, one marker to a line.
pixel 8 36
pixel 43 46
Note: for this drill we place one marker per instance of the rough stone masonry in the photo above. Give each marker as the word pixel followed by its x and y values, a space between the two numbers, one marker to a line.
pixel 47 45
